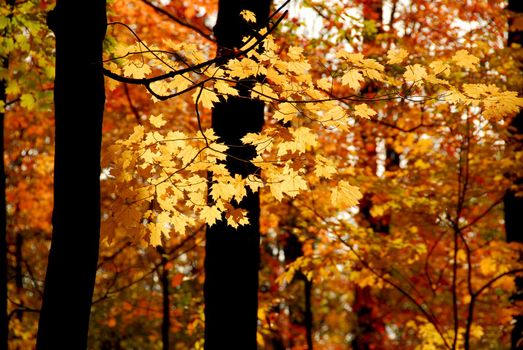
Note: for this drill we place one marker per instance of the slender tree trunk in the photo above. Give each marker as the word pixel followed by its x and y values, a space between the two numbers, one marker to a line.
pixel 368 333
pixel 4 322
pixel 166 303
pixel 79 102
pixel 308 312
pixel 19 279
pixel 293 249
pixel 513 205
pixel 233 255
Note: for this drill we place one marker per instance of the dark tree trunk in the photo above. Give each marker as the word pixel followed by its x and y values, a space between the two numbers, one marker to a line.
pixel 166 303
pixel 79 102
pixel 308 312
pixel 4 329
pixel 4 320
pixel 293 249
pixel 368 324
pixel 19 279
pixel 233 255
pixel 514 205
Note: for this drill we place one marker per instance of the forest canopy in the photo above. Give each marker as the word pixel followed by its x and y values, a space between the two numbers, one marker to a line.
pixel 300 174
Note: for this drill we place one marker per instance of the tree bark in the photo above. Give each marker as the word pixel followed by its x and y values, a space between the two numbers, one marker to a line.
pixel 513 205
pixel 233 255
pixel 79 98
pixel 166 303
pixel 4 322
pixel 4 319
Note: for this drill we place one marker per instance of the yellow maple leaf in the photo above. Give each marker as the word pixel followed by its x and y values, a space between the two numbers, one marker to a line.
pixel 295 52
pixel 243 68
pixel 137 134
pixel 285 112
pixel 305 139
pixel 249 16
pixel 206 97
pixel 463 59
pixel 225 89
pixel 364 111
pixel 28 101
pixel 324 167
pixel 155 234
pixel 210 214
pixel 395 56
pixel 344 195
pixel 439 67
pixel 488 266
pixel 352 78
pixel 415 73
pixel 179 222
pixel 476 331
pixel 324 83
pixel 289 182
pixel 222 190
pixel 136 71
pixel 157 121
pixel 179 83
pixel 299 67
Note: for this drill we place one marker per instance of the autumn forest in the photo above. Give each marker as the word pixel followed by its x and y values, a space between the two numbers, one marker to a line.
pixel 261 174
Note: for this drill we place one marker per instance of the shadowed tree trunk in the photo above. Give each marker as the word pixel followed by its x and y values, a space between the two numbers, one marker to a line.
pixel 293 249
pixel 4 320
pixel 513 204
pixel 370 327
pixel 166 303
pixel 233 255
pixel 79 102
pixel 3 227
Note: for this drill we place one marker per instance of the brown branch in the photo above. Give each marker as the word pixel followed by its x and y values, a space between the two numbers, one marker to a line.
pixel 482 215
pixel 206 35
pixel 131 105
pixel 419 306
pixel 475 295
pixel 229 55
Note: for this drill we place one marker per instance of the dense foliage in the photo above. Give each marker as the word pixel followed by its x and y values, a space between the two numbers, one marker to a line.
pixel 386 153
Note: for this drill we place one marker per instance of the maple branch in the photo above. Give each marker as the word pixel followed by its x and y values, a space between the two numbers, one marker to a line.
pixel 454 287
pixel 427 265
pixel 198 119
pixel 463 183
pixel 475 295
pixel 399 128
pixel 166 13
pixel 7 103
pixel 21 309
pixel 110 292
pixel 227 56
pixel 419 306
pixel 428 315
pixel 107 258
pixel 131 105
pixel 482 215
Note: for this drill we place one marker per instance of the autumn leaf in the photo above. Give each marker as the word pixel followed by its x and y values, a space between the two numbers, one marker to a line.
pixel 352 78
pixel 137 71
pixel 463 59
pixel 249 16
pixel 364 111
pixel 224 88
pixel 157 121
pixel 27 101
pixel 345 195
pixel 210 214
pixel 395 56
pixel 415 73
pixel 206 97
